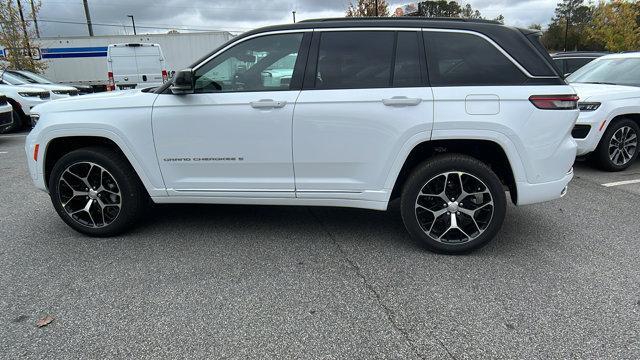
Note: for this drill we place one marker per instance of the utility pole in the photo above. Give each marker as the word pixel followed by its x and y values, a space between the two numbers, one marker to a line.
pixel 294 16
pixel 376 11
pixel 24 29
pixel 567 18
pixel 88 16
pixel 134 24
pixel 35 21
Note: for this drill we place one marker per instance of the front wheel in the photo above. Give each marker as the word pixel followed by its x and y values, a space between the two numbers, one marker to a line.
pixel 453 204
pixel 618 147
pixel 96 191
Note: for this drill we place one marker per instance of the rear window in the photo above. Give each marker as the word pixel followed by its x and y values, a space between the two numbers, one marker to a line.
pixel 575 64
pixel 355 59
pixel 368 59
pixel 559 63
pixel 460 59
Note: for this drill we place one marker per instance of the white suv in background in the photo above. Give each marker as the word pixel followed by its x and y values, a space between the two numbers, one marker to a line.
pixel 22 99
pixel 57 91
pixel 608 126
pixel 445 115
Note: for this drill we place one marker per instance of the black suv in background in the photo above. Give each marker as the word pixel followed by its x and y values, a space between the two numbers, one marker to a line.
pixel 569 62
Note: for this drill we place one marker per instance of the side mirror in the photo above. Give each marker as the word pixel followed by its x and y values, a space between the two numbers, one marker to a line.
pixel 183 82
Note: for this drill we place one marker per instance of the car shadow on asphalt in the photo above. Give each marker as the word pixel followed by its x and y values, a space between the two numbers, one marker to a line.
pixel 351 227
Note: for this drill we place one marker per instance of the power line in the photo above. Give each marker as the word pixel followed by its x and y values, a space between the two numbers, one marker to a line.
pixel 177 27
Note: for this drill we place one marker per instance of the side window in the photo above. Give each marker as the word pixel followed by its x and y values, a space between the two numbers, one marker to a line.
pixel 560 64
pixel 575 64
pixel 460 59
pixel 264 63
pixel 355 59
pixel 406 72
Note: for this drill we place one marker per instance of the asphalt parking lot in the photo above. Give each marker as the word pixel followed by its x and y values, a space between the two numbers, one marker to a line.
pixel 562 280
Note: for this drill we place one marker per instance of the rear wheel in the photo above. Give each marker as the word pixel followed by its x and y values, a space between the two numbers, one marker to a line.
pixel 96 192
pixel 618 147
pixel 453 204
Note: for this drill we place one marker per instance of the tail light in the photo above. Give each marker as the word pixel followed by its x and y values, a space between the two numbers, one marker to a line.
pixel 555 102
pixel 165 76
pixel 111 84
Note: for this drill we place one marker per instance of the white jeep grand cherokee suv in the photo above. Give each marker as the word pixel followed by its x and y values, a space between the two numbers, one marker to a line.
pixel 608 126
pixel 445 115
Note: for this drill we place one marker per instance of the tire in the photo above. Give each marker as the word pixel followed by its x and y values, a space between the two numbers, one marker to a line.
pixel 117 201
pixel 618 148
pixel 427 216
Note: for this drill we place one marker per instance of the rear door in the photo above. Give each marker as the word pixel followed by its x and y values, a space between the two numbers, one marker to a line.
pixel 365 93
pixel 150 63
pixel 122 60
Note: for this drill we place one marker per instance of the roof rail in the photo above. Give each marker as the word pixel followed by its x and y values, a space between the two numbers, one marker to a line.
pixel 405 18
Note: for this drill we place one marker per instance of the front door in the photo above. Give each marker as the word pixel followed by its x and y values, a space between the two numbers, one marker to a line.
pixel 232 137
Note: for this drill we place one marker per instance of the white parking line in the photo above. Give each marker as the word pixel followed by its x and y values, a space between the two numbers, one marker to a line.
pixel 4 152
pixel 618 183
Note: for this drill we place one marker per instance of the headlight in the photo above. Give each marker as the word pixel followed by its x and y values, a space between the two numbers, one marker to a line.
pixel 28 94
pixel 588 106
pixel 34 119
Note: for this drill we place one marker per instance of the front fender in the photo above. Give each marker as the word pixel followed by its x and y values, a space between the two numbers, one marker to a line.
pixel 130 132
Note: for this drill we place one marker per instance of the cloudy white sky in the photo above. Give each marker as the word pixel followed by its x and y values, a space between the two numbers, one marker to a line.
pixel 237 15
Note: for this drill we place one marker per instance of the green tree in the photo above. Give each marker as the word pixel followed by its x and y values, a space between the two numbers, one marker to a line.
pixel 450 9
pixel 469 13
pixel 440 8
pixel 16 40
pixel 367 8
pixel 615 24
pixel 568 28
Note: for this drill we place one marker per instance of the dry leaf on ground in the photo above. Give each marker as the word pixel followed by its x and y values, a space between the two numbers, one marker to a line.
pixel 44 321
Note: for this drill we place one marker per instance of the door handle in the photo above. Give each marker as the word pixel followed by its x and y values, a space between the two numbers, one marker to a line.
pixel 267 104
pixel 401 101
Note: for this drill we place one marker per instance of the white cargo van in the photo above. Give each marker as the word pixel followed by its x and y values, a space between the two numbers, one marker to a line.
pixel 135 65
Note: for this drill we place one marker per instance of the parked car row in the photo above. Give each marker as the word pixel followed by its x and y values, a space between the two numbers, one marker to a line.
pixel 23 90
pixel 608 85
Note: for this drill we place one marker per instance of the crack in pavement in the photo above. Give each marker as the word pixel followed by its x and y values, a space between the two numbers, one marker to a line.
pixel 387 311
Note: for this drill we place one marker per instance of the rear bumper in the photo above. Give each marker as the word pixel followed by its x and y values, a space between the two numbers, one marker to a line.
pixel 537 193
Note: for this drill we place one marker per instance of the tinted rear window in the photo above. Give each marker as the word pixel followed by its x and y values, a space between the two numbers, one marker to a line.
pixel 355 59
pixel 575 64
pixel 460 59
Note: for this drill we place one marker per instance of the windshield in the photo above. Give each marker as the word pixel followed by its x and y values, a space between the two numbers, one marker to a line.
pixel 12 79
pixel 34 77
pixel 616 71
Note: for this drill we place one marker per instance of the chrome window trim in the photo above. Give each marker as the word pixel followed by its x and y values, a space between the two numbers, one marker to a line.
pixel 486 38
pixel 291 31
